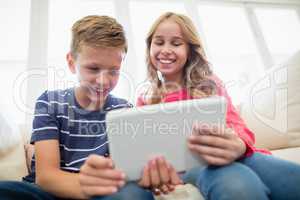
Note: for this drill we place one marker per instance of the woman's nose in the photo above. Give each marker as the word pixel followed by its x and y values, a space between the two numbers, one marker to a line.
pixel 166 50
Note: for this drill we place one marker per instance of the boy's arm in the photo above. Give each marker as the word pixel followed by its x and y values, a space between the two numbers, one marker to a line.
pixel 50 177
pixel 97 176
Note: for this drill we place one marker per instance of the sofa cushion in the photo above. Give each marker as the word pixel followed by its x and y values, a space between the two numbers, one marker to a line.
pixel 290 154
pixel 13 163
pixel 12 153
pixel 271 106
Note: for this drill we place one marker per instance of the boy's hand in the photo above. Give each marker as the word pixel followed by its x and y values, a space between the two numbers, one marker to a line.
pixel 98 177
pixel 216 146
pixel 160 176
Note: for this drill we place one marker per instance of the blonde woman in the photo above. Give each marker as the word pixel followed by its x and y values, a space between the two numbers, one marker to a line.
pixel 178 70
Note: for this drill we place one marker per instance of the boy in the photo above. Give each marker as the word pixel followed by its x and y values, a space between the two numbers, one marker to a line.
pixel 71 151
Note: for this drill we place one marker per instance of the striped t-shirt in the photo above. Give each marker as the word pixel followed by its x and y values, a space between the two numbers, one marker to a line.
pixel 79 132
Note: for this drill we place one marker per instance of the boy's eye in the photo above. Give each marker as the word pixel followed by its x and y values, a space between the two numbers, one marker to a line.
pixel 114 72
pixel 93 68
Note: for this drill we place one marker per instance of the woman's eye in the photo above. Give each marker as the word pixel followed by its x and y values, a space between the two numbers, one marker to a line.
pixel 177 43
pixel 158 42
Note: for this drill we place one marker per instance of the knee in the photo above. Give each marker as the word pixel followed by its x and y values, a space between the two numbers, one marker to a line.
pixel 192 175
pixel 238 188
pixel 9 185
pixel 234 181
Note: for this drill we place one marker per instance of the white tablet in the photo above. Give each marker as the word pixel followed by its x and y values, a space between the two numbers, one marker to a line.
pixel 138 134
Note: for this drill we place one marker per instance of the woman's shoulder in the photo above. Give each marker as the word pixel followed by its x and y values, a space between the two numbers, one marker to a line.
pixel 220 86
pixel 141 100
pixel 216 79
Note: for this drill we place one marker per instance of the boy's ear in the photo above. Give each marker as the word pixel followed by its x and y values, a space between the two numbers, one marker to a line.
pixel 71 63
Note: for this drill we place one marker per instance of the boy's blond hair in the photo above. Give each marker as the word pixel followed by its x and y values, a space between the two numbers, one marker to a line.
pixel 97 31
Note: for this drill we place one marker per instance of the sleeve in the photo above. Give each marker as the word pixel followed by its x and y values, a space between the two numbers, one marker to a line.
pixel 234 121
pixel 140 101
pixel 45 125
pixel 117 103
pixel 127 104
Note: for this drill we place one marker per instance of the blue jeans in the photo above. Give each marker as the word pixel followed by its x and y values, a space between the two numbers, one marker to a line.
pixel 256 177
pixel 12 190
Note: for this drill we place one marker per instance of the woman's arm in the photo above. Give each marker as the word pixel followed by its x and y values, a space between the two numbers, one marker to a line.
pixel 215 145
pixel 233 120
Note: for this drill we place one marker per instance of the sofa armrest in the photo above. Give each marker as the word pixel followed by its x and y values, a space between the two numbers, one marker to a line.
pixel 13 163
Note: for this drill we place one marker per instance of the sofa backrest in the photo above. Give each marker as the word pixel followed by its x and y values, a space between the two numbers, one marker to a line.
pixel 271 107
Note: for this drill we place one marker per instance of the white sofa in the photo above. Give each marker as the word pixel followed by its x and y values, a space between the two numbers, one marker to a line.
pixel 13 164
pixel 270 108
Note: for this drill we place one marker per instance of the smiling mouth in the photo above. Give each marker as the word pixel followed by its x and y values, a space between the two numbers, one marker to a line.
pixel 100 91
pixel 166 61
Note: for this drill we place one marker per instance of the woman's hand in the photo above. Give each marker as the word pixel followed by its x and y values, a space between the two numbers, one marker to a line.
pixel 160 176
pixel 98 177
pixel 216 146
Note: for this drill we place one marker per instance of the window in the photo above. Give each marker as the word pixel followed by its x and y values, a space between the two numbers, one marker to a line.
pixel 14 20
pixel 281 30
pixel 61 18
pixel 143 14
pixel 231 46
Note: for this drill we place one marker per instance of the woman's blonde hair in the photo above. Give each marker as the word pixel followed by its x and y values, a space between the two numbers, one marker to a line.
pixel 97 31
pixel 196 69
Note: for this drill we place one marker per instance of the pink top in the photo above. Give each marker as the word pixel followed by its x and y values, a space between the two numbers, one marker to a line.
pixel 233 120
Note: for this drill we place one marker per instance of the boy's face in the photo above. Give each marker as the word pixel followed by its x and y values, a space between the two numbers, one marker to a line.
pixel 97 70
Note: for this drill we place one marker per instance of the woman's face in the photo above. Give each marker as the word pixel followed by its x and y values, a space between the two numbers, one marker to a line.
pixel 169 51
